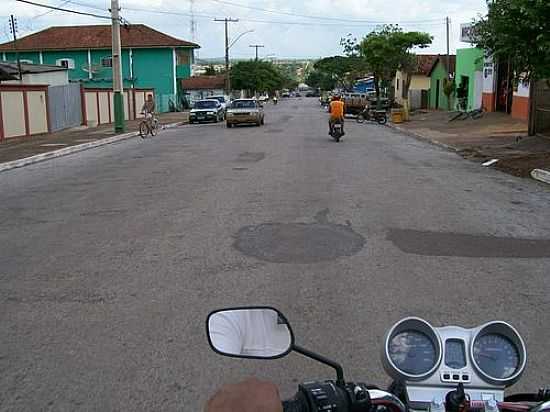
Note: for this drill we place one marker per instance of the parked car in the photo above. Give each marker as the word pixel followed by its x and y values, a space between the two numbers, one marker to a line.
pixel 207 110
pixel 224 100
pixel 264 98
pixel 244 111
pixel 285 93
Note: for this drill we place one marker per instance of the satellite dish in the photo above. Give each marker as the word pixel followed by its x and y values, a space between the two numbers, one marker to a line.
pixel 93 68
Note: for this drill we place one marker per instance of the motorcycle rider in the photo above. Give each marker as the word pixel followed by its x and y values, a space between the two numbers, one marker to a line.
pixel 251 395
pixel 336 109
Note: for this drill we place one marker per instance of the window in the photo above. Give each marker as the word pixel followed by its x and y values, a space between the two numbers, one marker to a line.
pixel 107 61
pixel 182 57
pixel 67 63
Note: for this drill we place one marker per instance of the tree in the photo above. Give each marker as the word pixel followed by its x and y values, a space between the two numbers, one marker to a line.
pixel 518 32
pixel 210 71
pixel 320 80
pixel 389 49
pixel 343 70
pixel 258 76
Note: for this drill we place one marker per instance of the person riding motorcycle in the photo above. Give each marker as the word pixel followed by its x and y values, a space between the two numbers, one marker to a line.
pixel 336 109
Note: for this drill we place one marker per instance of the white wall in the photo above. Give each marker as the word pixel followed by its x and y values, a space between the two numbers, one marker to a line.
pixel 194 95
pixel 523 90
pixel 58 78
pixel 478 89
pixel 489 75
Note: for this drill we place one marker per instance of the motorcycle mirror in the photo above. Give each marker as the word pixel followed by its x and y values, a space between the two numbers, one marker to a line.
pixel 259 332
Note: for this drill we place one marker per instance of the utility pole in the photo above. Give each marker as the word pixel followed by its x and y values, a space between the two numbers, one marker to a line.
pixel 118 87
pixel 227 76
pixel 256 46
pixel 448 22
pixel 13 29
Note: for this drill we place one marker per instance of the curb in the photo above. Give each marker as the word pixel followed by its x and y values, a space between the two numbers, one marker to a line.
pixel 423 138
pixel 541 175
pixel 26 161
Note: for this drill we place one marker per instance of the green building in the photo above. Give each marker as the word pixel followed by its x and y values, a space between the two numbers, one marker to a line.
pixel 438 74
pixel 150 59
pixel 469 75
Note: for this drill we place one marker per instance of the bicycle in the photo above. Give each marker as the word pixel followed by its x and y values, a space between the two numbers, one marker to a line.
pixel 472 114
pixel 149 125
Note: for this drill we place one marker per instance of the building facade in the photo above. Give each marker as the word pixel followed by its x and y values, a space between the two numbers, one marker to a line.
pixel 469 75
pixel 150 59
pixel 438 74
pixel 420 82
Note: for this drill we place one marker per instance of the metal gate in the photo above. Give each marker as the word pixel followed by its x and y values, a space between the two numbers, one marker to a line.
pixel 65 106
pixel 542 108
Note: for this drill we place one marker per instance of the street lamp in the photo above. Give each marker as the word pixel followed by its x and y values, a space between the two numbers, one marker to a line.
pixel 238 37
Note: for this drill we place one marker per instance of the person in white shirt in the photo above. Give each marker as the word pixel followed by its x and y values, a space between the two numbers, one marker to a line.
pixel 249 332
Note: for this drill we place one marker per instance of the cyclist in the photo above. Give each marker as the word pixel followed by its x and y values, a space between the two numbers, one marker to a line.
pixel 148 109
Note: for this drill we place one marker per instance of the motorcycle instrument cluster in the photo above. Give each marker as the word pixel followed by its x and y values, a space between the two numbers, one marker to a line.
pixel 492 355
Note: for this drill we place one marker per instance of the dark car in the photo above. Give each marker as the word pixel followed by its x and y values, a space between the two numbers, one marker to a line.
pixel 207 111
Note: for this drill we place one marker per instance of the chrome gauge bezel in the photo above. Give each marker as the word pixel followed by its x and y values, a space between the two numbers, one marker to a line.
pixel 509 332
pixel 411 324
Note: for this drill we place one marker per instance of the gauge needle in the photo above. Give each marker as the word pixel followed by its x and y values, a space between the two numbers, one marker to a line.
pixel 494 358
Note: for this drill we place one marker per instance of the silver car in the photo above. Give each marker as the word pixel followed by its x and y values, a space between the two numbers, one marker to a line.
pixel 245 111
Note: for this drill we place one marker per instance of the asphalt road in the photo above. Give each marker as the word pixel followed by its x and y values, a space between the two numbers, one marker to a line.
pixel 111 259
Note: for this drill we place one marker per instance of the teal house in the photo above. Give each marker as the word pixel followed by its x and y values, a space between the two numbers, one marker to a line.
pixel 469 75
pixel 150 59
pixel 438 75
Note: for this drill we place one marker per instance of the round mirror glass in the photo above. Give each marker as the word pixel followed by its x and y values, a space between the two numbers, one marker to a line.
pixel 250 333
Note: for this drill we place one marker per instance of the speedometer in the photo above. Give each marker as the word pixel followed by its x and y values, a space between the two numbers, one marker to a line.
pixel 412 352
pixel 496 355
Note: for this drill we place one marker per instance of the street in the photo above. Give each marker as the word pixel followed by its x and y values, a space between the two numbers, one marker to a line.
pixel 111 259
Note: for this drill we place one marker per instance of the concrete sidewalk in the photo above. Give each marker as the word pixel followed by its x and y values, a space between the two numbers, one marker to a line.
pixel 494 136
pixel 24 147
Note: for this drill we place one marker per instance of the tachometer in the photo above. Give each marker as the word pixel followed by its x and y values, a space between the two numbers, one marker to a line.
pixel 496 355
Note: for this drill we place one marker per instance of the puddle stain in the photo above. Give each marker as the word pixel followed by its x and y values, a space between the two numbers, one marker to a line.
pixel 426 243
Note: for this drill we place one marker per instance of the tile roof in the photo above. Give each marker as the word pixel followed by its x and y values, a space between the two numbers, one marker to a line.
pixel 443 59
pixel 94 37
pixel 203 83
pixel 425 62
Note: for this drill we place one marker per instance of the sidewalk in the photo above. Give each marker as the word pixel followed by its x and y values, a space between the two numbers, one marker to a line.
pixel 495 136
pixel 22 147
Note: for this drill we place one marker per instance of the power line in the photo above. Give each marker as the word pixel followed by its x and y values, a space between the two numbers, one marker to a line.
pixel 290 23
pixel 229 3
pixel 50 11
pixel 65 10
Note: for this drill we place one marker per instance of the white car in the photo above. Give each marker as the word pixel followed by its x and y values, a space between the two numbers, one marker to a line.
pixel 224 101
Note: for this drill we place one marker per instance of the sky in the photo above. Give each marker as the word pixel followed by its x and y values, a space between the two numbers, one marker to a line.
pixel 287 28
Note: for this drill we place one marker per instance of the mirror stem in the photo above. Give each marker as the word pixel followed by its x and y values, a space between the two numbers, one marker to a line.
pixel 337 367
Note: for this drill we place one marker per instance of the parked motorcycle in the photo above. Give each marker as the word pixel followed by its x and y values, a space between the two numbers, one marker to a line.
pixel 372 115
pixel 434 369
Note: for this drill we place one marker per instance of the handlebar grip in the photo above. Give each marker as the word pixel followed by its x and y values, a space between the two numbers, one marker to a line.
pixel 298 404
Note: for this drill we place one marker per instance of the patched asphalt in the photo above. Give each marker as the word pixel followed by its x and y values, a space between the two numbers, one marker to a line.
pixel 111 259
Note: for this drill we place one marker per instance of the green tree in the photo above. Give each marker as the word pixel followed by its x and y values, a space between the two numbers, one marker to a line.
pixel 518 31
pixel 258 76
pixel 344 70
pixel 210 71
pixel 387 50
pixel 320 80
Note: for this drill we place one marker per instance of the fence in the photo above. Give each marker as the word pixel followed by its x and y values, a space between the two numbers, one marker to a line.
pixel 99 105
pixel 23 110
pixel 542 108
pixel 65 106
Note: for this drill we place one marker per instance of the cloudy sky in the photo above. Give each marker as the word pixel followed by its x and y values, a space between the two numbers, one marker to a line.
pixel 287 28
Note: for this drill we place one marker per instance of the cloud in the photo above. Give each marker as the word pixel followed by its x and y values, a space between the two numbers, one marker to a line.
pixel 283 40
